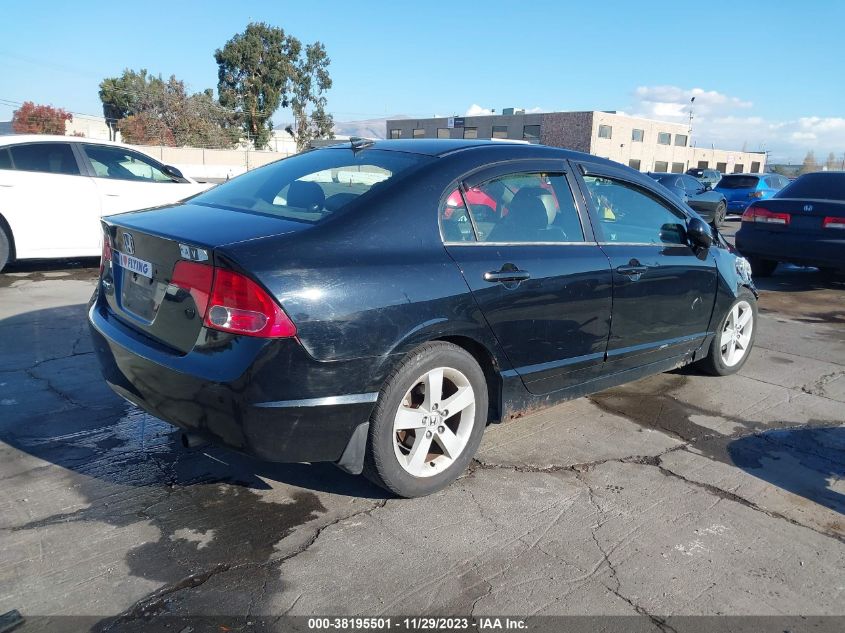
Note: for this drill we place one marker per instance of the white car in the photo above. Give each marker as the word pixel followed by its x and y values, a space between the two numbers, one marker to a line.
pixel 55 189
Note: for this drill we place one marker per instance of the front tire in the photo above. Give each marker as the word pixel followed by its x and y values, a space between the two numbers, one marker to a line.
pixel 428 421
pixel 5 249
pixel 734 337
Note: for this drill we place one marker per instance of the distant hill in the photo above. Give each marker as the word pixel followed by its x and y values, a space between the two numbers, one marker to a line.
pixel 366 128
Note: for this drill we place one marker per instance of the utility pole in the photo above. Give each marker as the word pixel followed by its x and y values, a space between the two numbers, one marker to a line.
pixel 691 103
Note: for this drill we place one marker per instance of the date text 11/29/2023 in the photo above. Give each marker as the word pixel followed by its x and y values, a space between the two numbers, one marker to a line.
pixel 417 624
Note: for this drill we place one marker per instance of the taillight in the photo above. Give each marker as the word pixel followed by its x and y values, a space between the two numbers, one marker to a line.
pixel 195 279
pixel 239 305
pixel 759 214
pixel 105 256
pixel 832 222
pixel 755 194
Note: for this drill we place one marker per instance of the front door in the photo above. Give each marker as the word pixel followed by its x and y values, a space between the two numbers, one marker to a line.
pixel 663 290
pixel 541 281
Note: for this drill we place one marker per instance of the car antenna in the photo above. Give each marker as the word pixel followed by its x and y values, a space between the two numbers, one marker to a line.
pixel 358 142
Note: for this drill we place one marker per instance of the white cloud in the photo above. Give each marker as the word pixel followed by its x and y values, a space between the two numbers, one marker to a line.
pixel 728 122
pixel 477 110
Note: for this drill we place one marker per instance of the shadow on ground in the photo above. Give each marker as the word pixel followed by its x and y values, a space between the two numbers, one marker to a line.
pixel 809 462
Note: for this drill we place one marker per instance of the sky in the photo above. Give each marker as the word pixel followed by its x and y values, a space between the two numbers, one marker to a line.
pixel 766 75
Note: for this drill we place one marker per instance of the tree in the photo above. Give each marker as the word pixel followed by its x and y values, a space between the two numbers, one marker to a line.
pixel 39 119
pixel 810 164
pixel 264 68
pixel 831 163
pixel 312 82
pixel 149 110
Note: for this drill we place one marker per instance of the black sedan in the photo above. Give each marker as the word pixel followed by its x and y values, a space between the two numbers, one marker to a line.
pixel 803 223
pixel 710 205
pixel 376 304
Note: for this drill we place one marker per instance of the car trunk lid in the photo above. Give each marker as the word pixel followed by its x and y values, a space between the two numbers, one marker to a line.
pixel 153 252
pixel 806 216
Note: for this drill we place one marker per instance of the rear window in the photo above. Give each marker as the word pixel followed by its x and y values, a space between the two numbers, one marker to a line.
pixel 738 182
pixel 820 186
pixel 311 186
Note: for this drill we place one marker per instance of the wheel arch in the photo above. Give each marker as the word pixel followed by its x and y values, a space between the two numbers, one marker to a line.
pixel 489 365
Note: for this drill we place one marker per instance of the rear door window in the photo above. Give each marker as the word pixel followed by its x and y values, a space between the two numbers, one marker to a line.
pixel 527 207
pixel 630 215
pixel 121 164
pixel 51 158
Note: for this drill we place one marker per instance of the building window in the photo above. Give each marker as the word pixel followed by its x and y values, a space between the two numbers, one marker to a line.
pixel 703 164
pixel 444 132
pixel 500 131
pixel 605 131
pixel 637 136
pixel 664 138
pixel 722 168
pixel 470 132
pixel 395 133
pixel 677 168
pixel 681 140
pixel 755 167
pixel 531 133
pixel 419 132
pixel 739 168
pixel 661 166
pixel 634 163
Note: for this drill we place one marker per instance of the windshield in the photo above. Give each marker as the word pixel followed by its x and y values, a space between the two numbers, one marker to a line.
pixel 820 186
pixel 313 185
pixel 738 182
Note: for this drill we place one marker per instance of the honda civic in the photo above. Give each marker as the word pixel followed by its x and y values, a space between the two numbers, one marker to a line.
pixel 377 304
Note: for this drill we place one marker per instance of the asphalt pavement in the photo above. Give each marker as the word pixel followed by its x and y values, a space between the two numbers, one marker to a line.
pixel 679 494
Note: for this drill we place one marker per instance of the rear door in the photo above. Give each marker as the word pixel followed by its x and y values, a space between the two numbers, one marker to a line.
pixel 128 180
pixel 663 291
pixel 535 270
pixel 52 208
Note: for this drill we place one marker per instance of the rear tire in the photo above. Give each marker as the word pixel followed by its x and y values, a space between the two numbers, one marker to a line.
pixel 719 215
pixel 762 267
pixel 416 446
pixel 5 249
pixel 734 337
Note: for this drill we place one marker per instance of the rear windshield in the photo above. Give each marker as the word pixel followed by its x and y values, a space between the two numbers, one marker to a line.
pixel 696 172
pixel 738 182
pixel 311 186
pixel 820 186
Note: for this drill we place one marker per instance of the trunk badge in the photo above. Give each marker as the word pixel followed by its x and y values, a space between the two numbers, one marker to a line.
pixel 193 253
pixel 808 207
pixel 128 244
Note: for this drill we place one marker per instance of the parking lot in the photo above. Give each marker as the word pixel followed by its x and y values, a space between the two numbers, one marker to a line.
pixel 679 494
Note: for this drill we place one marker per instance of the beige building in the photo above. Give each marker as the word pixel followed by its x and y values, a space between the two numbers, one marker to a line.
pixel 643 144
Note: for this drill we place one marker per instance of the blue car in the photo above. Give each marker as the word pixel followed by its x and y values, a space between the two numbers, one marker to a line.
pixel 740 190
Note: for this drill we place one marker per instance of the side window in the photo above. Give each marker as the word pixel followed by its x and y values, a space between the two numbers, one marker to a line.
pixel 629 214
pixel 123 164
pixel 5 159
pixel 455 225
pixel 691 184
pixel 51 158
pixel 526 208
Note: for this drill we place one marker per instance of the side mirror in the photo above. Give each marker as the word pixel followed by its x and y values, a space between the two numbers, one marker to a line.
pixel 707 186
pixel 699 233
pixel 171 171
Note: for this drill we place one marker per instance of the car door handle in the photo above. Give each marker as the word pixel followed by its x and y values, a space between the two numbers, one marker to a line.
pixel 632 271
pixel 505 276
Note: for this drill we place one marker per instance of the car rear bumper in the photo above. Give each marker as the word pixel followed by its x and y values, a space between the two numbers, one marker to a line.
pixel 738 206
pixel 266 398
pixel 782 246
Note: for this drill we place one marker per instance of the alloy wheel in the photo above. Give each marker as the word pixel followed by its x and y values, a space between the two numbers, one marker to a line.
pixel 736 333
pixel 434 422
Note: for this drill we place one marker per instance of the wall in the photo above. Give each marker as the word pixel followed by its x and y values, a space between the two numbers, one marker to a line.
pixel 211 164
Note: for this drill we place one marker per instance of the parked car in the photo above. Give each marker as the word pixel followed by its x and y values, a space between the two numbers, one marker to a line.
pixel 710 205
pixel 380 327
pixel 55 189
pixel 804 223
pixel 707 176
pixel 740 190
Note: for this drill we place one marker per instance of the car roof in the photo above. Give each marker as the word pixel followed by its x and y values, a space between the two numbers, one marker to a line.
pixel 10 139
pixel 443 147
pixel 746 175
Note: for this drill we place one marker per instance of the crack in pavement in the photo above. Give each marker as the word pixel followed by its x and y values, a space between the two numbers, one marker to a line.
pixel 155 602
